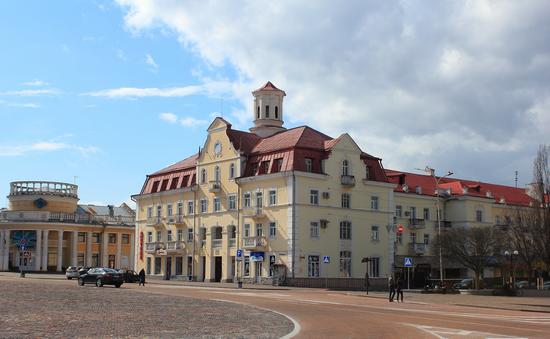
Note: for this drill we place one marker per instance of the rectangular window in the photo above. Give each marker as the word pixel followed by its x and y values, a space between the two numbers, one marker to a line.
pixel 259 199
pixel 345 230
pixel 374 233
pixel 179 265
pixel 313 266
pixel 314 229
pixel 149 212
pixel 246 266
pixel 148 266
pixel 203 205
pixel 314 197
pixel 345 264
pixel 413 213
pixel 246 230
pixel 309 165
pixel 374 203
pixel 426 214
pixel 169 235
pixel 232 202
pixel 374 267
pixel 190 207
pixel 272 197
pixel 112 238
pixel 271 264
pixel 81 237
pixel 259 230
pixel 399 237
pixel 169 210
pixel 125 238
pixel 80 259
pixel 159 235
pixel 426 239
pixel 246 199
pixel 272 229
pixel 159 211
pixel 278 164
pixel 95 260
pixel 265 167
pixel 217 204
pixel 367 172
pixel 180 208
pixel 479 216
pixel 180 235
pixel 413 237
pixel 158 264
pixel 189 235
pixel 255 168
pixel 346 200
pixel 203 236
pixel 398 211
pixel 149 236
pixel 174 183
pixel 95 238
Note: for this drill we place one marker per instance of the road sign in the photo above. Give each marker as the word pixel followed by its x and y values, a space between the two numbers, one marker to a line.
pixel 400 228
pixel 408 262
pixel 239 255
pixel 23 248
pixel 326 259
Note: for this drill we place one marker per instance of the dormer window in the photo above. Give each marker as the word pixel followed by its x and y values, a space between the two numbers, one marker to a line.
pixel 309 164
pixel 367 173
pixel 267 111
pixel 345 167
pixel 276 112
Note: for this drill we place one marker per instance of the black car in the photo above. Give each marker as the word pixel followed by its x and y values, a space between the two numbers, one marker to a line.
pixel 129 276
pixel 83 269
pixel 101 276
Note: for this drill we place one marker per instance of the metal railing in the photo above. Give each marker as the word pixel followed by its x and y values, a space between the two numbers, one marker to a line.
pixel 175 245
pixel 254 212
pixel 254 242
pixel 73 218
pixel 153 246
pixel 217 243
pixel 416 223
pixel 43 188
pixel 214 186
pixel 347 180
pixel 418 248
pixel 232 242
pixel 155 220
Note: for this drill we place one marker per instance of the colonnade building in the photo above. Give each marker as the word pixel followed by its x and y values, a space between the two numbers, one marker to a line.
pixel 45 229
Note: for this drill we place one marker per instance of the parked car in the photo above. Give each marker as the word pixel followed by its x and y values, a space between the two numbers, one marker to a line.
pixel 129 276
pixel 546 285
pixel 71 272
pixel 101 276
pixel 522 284
pixel 83 269
pixel 464 284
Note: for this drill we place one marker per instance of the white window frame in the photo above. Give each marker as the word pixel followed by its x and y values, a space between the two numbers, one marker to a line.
pixel 309 164
pixel 272 197
pixel 180 234
pixel 375 233
pixel 232 202
pixel 346 200
pixel 217 204
pixel 314 230
pixel 374 203
pixel 190 207
pixel 247 199
pixel 272 229
pixel 231 171
pixel 204 205
pixel 398 211
pixel 169 210
pixel 169 235
pixel 314 197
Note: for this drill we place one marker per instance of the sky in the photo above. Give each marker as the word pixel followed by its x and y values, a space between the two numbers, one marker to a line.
pixel 101 93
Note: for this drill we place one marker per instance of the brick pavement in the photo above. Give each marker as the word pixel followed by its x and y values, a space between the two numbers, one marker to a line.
pixel 47 308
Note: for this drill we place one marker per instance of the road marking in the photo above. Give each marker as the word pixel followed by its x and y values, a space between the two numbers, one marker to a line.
pixel 445 333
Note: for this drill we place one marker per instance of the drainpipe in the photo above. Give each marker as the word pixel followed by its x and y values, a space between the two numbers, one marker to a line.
pixel 293 223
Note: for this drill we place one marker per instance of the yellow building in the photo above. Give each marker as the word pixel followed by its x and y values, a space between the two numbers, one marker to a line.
pixel 44 229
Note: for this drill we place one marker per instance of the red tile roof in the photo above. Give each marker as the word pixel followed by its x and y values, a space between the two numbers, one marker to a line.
pixel 268 87
pixel 185 163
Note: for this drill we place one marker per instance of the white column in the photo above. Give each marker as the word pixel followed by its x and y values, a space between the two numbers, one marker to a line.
pixel 59 250
pixel 74 249
pixel 132 251
pixel 89 248
pixel 38 253
pixel 45 250
pixel 104 250
pixel 118 249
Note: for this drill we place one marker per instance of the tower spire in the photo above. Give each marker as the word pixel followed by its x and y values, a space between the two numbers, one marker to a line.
pixel 268 110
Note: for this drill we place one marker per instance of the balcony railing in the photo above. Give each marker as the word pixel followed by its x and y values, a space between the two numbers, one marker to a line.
pixel 416 223
pixel 73 218
pixel 151 247
pixel 347 180
pixel 253 212
pixel 175 219
pixel 232 242
pixel 254 242
pixel 217 243
pixel 175 246
pixel 43 188
pixel 154 221
pixel 214 186
pixel 418 248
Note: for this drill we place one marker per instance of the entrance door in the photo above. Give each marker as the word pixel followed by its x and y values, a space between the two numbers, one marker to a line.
pixel 258 271
pixel 168 267
pixel 217 269
pixel 203 268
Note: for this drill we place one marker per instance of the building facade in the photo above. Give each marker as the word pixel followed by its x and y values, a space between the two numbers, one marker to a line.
pixel 45 229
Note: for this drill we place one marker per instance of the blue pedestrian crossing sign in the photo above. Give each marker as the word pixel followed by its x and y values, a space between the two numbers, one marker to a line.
pixel 326 259
pixel 239 254
pixel 408 262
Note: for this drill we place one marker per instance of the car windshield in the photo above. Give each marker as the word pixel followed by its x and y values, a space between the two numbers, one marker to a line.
pixel 109 270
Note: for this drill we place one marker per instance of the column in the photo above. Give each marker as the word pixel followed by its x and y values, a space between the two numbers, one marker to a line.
pixel 74 249
pixel 132 255
pixel 89 248
pixel 7 250
pixel 118 249
pixel 2 249
pixel 59 250
pixel 38 253
pixel 105 249
pixel 45 250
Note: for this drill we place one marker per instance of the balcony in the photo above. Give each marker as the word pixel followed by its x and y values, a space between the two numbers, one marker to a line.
pixel 152 247
pixel 217 243
pixel 347 180
pixel 72 218
pixel 175 246
pixel 154 221
pixel 175 219
pixel 253 212
pixel 214 186
pixel 232 242
pixel 43 188
pixel 417 248
pixel 415 224
pixel 258 243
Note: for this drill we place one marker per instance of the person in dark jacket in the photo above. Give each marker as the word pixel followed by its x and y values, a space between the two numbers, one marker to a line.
pixel 142 277
pixel 391 286
pixel 399 288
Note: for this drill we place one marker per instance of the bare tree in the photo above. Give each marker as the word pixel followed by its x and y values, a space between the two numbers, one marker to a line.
pixel 472 247
pixel 522 237
pixel 539 221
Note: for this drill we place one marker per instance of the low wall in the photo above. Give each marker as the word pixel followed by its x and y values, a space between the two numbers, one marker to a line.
pixel 350 284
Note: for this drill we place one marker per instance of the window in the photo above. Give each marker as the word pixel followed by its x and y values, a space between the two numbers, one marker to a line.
pixel 276 112
pixel 203 205
pixel 148 266
pixel 272 229
pixel 398 211
pixel 314 197
pixel 231 171
pixel 497 220
pixel 112 238
pixel 374 233
pixel 246 199
pixel 80 259
pixel 169 235
pixel 217 204
pixel 159 235
pixel 149 236
pixel 203 176
pixel 279 164
pixel 169 210
pixel 345 230
pixel 180 208
pixel 345 264
pixel 158 264
pixel 314 229
pixel 81 237
pixel 217 174
pixel 232 202
pixel 164 185
pixel 309 164
pixel 426 239
pixel 174 183
pixel 413 237
pixel 246 230
pixel 258 113
pixel 313 266
pixel 233 232
pixel 374 268
pixel 246 266
pixel 346 200
pixel 479 215
pixel 413 213
pixel 203 236
pixel 180 235
pixel 399 238
pixel 259 199
pixel 125 238
pixel 189 235
pixel 271 257
pixel 265 167
pixel 426 214
pixel 272 197
pixel 254 168
pixel 95 238
pixel 374 203
pixel 179 265
pixel 190 267
pixel 345 167
pixel 367 172
pixel 155 187
pixel 159 211
pixel 259 230
pixel 190 207
pixel 267 111
pixel 149 212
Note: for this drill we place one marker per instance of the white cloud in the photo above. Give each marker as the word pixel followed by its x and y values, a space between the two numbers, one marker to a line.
pixel 44 146
pixel 133 92
pixel 35 82
pixel 457 83
pixel 19 104
pixel 32 92
pixel 170 117
pixel 151 62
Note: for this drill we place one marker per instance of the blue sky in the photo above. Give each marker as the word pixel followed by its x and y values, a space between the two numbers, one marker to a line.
pixel 109 91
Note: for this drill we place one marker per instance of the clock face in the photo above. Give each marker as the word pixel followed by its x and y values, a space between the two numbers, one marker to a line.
pixel 218 148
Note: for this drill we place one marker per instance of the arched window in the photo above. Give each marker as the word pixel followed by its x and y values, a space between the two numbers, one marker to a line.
pixel 345 167
pixel 217 174
pixel 203 176
pixel 267 111
pixel 258 113
pixel 276 112
pixel 231 171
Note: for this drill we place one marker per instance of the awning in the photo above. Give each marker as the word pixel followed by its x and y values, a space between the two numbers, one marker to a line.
pixel 256 256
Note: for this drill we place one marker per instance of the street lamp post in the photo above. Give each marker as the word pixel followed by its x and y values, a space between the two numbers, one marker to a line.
pixel 511 254
pixel 437 180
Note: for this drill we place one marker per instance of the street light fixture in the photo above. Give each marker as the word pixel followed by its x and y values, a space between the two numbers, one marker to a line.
pixel 431 171
pixel 511 254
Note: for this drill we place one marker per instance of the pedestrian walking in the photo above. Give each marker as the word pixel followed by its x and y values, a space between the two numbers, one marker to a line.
pixel 399 288
pixel 142 277
pixel 391 286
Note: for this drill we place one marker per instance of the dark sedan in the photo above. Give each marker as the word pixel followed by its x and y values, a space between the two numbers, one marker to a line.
pixel 101 276
pixel 129 276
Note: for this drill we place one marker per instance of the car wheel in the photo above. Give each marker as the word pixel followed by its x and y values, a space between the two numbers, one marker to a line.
pixel 118 285
pixel 99 283
pixel 81 281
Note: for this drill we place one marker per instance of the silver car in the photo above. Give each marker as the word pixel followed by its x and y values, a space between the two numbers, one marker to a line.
pixel 72 272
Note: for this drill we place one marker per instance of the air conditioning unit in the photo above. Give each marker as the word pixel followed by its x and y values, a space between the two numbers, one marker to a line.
pixel 324 223
pixel 326 195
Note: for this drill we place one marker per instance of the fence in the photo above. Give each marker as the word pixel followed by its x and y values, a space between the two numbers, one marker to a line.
pixel 349 284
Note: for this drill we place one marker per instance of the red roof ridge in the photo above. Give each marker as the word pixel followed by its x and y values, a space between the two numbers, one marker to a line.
pixel 269 87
